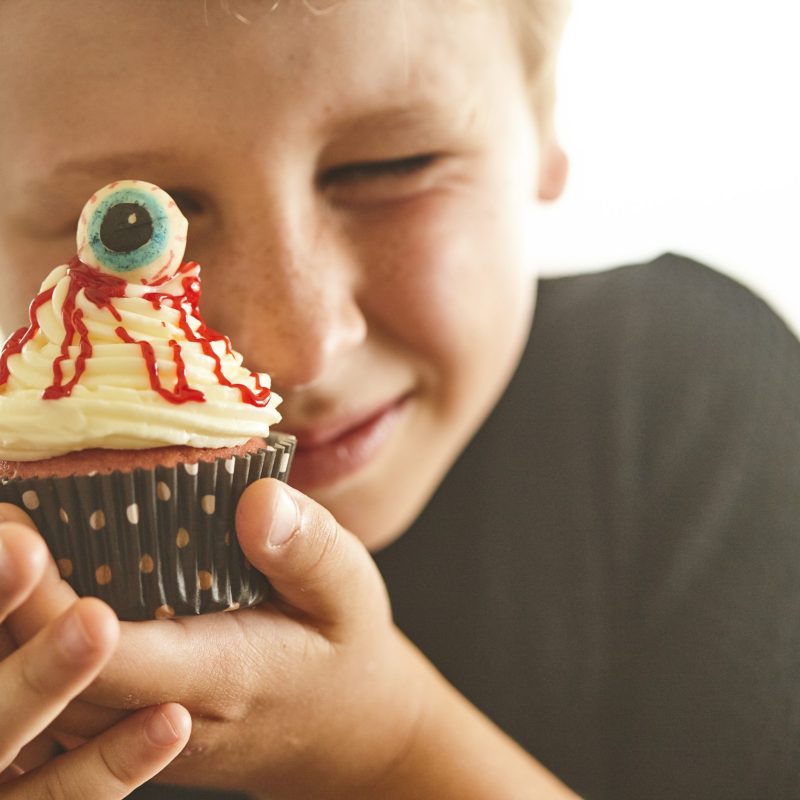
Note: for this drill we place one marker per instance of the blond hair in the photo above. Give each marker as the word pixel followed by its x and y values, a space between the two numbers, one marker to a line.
pixel 538 25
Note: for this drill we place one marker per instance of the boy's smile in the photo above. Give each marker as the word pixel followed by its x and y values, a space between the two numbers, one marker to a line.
pixel 358 202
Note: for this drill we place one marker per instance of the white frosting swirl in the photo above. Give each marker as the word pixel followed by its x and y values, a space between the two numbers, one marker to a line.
pixel 113 405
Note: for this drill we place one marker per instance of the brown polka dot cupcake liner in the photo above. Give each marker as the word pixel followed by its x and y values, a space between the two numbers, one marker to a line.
pixel 154 543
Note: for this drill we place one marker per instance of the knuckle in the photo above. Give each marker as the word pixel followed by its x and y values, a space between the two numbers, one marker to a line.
pixel 326 551
pixel 34 678
pixel 120 775
pixel 229 698
pixel 55 787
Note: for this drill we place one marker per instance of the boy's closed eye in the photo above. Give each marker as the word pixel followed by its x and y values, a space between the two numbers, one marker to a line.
pixel 380 181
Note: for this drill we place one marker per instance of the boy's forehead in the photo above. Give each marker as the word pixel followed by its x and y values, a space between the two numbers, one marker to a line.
pixel 155 41
pixel 132 70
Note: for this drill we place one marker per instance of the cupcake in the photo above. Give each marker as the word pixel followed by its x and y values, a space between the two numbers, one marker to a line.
pixel 128 427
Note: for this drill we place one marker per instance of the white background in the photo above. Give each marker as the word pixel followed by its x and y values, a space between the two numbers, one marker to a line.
pixel 681 119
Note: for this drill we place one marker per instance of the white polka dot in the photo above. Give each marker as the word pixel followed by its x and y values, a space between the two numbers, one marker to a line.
pixel 97 520
pixel 208 503
pixel 163 492
pixel 64 517
pixel 230 465
pixel 132 512
pixel 30 499
pixel 191 469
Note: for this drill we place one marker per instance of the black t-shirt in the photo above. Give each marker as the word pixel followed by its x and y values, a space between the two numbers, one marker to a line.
pixel 611 570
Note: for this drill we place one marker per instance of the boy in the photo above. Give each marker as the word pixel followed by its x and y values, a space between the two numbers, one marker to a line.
pixel 360 186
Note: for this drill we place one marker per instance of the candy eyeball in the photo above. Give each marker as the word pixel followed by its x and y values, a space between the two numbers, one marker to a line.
pixel 134 230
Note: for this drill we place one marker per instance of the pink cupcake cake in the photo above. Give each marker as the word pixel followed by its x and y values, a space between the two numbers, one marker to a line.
pixel 128 427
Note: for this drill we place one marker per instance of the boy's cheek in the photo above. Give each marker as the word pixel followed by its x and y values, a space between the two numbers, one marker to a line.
pixel 442 272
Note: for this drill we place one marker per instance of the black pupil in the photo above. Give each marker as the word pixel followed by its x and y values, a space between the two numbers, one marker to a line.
pixel 126 227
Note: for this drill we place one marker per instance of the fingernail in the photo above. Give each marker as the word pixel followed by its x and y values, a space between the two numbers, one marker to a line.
pixel 73 636
pixel 284 519
pixel 159 730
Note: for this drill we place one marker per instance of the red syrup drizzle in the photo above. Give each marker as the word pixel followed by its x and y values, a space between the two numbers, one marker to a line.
pixel 22 335
pixel 182 393
pixel 205 335
pixel 99 288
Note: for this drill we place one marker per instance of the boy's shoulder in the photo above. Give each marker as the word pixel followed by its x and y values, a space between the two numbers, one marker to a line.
pixel 660 369
pixel 672 288
pixel 671 316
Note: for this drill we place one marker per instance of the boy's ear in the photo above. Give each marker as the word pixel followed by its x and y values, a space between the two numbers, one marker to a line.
pixel 553 170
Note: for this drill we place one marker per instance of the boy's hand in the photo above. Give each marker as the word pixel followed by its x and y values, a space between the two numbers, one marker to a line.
pixel 313 693
pixel 38 680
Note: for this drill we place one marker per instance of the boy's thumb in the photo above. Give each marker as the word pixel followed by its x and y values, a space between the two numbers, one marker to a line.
pixel 313 564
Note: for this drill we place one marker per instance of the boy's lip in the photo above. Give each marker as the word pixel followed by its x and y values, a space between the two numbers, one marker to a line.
pixel 330 450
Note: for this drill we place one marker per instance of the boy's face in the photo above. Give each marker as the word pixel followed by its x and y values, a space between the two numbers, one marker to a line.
pixel 357 185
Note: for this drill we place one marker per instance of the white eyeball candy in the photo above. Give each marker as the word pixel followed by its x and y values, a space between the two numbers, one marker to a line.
pixel 134 230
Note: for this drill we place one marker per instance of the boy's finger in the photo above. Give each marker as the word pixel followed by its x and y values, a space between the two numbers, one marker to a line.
pixel 149 667
pixel 51 595
pixel 314 564
pixel 115 763
pixel 11 513
pixel 84 720
pixel 23 559
pixel 38 680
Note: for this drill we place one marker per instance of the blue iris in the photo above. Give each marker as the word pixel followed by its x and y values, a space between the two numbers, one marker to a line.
pixel 154 246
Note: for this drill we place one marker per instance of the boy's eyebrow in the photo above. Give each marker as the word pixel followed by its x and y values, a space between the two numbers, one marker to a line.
pixel 116 164
pixel 393 119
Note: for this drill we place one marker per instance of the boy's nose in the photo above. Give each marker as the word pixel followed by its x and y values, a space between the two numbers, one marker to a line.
pixel 288 305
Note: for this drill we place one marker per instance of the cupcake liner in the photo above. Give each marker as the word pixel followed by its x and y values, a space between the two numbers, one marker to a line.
pixel 154 543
